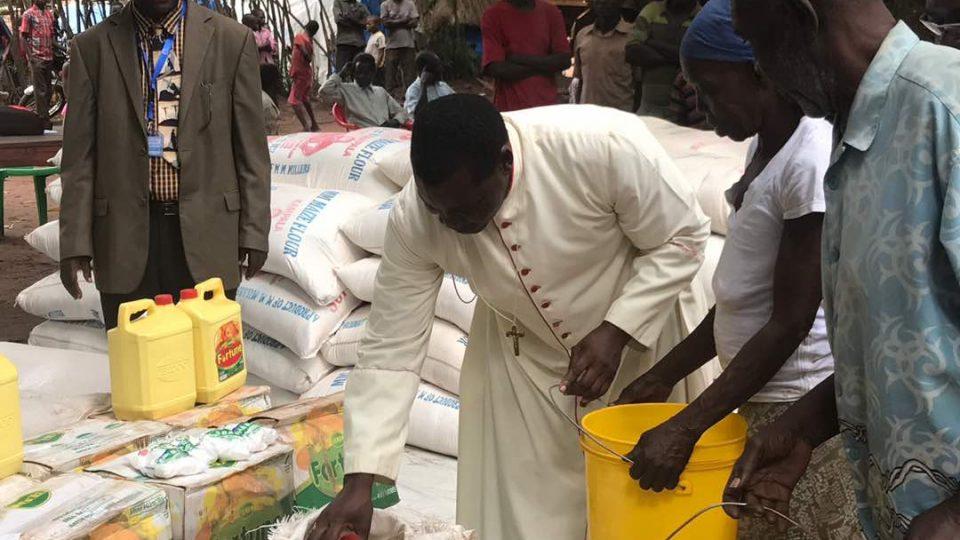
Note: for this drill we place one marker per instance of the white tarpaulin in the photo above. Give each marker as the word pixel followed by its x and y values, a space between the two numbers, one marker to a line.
pixel 305 10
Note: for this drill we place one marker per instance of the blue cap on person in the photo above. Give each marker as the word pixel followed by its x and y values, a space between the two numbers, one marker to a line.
pixel 711 36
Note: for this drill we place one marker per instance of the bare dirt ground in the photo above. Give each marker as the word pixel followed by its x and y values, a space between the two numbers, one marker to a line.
pixel 21 265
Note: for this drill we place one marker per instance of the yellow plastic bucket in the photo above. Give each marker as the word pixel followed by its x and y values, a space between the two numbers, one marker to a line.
pixel 618 509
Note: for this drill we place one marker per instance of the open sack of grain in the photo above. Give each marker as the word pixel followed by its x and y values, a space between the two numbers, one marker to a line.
pixel 386 525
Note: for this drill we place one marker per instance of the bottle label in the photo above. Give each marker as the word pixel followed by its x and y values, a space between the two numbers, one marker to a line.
pixel 229 350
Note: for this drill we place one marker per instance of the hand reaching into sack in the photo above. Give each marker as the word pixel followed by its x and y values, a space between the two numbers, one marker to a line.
pixel 351 512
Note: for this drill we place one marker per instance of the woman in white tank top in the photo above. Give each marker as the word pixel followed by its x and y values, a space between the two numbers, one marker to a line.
pixel 767 325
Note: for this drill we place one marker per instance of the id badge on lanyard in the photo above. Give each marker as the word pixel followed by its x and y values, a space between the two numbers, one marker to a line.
pixel 154 139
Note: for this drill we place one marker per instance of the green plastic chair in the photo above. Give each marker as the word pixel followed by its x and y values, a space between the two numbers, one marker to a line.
pixel 39 175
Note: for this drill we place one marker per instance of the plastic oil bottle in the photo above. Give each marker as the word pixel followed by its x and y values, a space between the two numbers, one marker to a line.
pixel 152 372
pixel 11 433
pixel 217 340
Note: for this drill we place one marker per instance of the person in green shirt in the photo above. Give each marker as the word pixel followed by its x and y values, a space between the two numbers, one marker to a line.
pixel 654 52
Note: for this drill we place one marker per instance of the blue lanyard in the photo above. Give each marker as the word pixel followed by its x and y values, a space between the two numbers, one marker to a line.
pixel 155 71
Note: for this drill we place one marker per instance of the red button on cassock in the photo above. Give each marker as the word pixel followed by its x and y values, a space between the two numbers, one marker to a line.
pixel 545 305
pixel 535 288
pixel 505 224
pixel 525 272
pixel 515 247
pixel 565 335
pixel 557 324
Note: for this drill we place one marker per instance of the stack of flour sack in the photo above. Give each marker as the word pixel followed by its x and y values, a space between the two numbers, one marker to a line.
pixel 304 315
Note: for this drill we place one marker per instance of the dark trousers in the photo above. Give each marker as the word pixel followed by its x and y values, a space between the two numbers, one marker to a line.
pixel 41 72
pixel 400 70
pixel 167 271
pixel 345 54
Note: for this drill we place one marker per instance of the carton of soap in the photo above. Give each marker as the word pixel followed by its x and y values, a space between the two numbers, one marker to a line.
pixel 242 402
pixel 79 505
pixel 314 428
pixel 229 500
pixel 86 443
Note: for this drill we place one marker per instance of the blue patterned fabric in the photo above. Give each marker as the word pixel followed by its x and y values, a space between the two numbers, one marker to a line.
pixel 711 36
pixel 891 263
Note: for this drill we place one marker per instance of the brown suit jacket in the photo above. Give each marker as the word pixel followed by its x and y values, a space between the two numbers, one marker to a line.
pixel 224 163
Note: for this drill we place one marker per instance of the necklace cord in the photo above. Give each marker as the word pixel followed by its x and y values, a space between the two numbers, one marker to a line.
pixel 453 278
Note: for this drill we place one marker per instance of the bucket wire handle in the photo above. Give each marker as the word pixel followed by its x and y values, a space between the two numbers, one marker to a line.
pixel 625 459
pixel 703 511
pixel 584 432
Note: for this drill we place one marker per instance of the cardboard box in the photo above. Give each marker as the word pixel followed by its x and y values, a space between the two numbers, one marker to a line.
pixel 244 401
pixel 12 487
pixel 314 428
pixel 226 502
pixel 86 443
pixel 78 505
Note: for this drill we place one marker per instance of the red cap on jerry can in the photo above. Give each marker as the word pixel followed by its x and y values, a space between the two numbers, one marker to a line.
pixel 163 299
pixel 188 294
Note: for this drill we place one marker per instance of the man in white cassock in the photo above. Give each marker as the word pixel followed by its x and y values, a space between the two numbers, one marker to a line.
pixel 582 241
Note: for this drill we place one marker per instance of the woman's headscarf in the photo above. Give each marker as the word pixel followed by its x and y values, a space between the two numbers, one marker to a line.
pixel 711 36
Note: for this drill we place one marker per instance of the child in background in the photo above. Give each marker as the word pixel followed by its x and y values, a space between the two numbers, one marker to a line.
pixel 429 85
pixel 376 47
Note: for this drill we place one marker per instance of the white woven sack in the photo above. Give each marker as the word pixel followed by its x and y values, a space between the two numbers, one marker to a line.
pixel 343 347
pixel 434 417
pixel 444 352
pixel 368 228
pixel 55 191
pixel 48 299
pixel 455 301
pixel 360 277
pixel 394 164
pixel 268 359
pixel 57 371
pixel 341 161
pixel 46 239
pixel 87 336
pixel 306 244
pixel 280 309
pixel 710 163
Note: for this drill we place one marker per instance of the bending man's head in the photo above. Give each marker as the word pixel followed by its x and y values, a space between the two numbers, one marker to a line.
pixel 814 49
pixel 462 161
pixel 312 28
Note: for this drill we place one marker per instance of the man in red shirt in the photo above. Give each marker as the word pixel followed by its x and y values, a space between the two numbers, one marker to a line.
pixel 301 75
pixel 524 46
pixel 37 30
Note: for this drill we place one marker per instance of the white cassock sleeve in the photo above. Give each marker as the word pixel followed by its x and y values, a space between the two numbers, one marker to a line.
pixel 660 215
pixel 383 385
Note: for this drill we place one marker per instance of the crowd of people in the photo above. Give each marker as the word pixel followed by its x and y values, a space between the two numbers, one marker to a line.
pixel 837 292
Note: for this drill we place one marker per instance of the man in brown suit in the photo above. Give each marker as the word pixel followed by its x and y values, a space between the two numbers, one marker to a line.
pixel 166 173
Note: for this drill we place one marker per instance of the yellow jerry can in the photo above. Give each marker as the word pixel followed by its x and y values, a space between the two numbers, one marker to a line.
pixel 217 340
pixel 11 432
pixel 152 373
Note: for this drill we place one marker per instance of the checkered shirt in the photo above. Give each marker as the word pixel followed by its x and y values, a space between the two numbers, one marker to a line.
pixel 164 177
